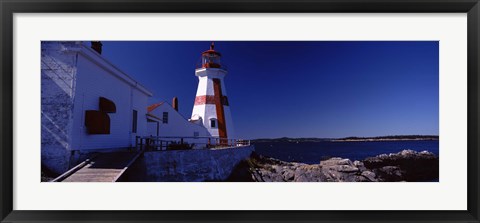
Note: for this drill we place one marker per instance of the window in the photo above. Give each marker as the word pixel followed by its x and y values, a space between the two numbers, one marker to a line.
pixel 165 118
pixel 134 121
pixel 225 101
pixel 213 123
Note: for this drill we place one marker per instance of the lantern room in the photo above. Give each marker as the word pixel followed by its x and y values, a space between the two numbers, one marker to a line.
pixel 211 59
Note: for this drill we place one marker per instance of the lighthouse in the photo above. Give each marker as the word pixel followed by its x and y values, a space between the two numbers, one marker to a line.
pixel 211 107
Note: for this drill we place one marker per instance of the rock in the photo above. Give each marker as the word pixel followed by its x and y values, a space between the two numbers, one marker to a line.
pixel 369 175
pixel 415 166
pixel 288 175
pixel 302 178
pixel 335 161
pixel 256 177
pixel 309 173
pixel 389 173
pixel 359 165
pixel 342 168
pixel 406 165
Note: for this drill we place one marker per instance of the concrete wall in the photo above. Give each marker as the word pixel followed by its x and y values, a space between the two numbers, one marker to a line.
pixel 187 165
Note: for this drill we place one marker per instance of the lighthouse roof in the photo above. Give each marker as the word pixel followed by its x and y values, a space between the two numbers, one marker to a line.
pixel 212 50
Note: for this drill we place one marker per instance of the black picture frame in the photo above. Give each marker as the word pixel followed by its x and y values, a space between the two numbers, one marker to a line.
pixel 9 7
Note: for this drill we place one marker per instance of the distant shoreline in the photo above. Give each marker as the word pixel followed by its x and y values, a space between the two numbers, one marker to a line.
pixel 387 138
pixel 383 140
pixel 355 139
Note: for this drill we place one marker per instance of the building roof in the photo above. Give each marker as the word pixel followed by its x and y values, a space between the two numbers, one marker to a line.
pixel 154 106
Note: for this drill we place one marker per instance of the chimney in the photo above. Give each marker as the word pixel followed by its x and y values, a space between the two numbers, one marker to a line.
pixel 175 103
pixel 97 46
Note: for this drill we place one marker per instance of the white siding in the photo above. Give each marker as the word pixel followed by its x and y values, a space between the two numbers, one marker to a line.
pixel 139 103
pixel 202 90
pixel 94 81
pixel 210 113
pixel 152 129
pixel 177 125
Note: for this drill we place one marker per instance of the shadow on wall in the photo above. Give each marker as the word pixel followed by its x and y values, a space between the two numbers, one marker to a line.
pixel 57 76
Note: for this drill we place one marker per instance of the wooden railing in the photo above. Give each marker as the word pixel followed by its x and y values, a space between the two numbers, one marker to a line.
pixel 185 143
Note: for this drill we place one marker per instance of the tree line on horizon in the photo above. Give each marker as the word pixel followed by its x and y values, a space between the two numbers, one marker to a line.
pixel 398 137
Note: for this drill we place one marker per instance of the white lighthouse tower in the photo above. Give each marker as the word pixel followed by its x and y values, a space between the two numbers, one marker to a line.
pixel 211 106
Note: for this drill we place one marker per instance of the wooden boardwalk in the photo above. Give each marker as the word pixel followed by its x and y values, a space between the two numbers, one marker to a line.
pixel 106 167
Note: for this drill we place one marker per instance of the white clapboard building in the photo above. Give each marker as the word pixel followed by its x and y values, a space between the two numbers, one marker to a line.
pixel 165 122
pixel 88 104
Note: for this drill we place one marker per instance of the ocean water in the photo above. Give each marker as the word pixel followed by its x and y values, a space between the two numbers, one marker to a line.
pixel 313 152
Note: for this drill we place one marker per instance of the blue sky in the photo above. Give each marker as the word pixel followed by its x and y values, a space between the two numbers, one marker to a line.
pixel 300 89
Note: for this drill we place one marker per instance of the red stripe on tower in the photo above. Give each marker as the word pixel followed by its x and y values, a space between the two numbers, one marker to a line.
pixel 222 127
pixel 210 99
pixel 204 99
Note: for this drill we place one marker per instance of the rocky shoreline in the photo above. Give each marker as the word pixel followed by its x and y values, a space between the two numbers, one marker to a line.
pixel 407 165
